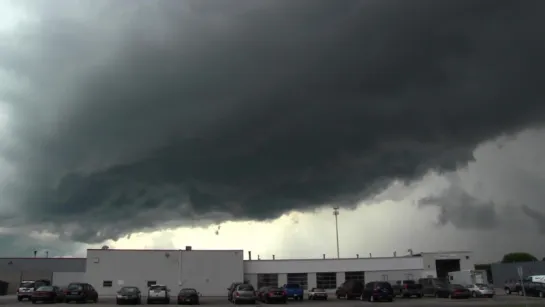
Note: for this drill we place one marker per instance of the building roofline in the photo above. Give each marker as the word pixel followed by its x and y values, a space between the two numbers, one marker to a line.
pixel 49 258
pixel 165 250
pixel 322 259
pixel 445 252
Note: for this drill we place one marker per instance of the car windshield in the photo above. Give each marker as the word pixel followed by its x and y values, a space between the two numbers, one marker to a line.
pixel 27 284
pixel 129 289
pixel 188 291
pixel 457 286
pixel 158 288
pixel 319 290
pixel 45 288
pixel 481 285
pixel 246 288
pixel 74 287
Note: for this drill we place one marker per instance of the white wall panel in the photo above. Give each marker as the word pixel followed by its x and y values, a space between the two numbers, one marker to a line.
pixel 64 278
pixel 131 268
pixel 211 272
pixel 332 265
pixel 311 281
pixel 282 279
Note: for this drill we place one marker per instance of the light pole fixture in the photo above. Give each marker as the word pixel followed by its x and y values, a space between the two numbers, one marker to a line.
pixel 336 214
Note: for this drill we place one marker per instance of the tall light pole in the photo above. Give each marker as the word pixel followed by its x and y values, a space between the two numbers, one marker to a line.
pixel 336 214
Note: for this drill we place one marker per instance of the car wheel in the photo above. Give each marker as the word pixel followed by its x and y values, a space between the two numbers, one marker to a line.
pixel 450 296
pixel 19 298
pixel 540 294
pixel 33 302
pixel 437 295
pixel 507 291
pixel 361 297
pixel 474 294
pixel 371 298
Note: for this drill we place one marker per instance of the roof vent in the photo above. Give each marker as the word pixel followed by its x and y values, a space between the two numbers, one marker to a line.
pixel 188 248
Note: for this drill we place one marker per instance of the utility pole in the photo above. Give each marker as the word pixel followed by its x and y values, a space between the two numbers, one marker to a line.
pixel 336 214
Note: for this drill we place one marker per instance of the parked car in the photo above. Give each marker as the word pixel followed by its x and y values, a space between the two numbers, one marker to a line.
pixel 407 288
pixel 231 289
pixel 158 294
pixel 27 287
pixel 260 293
pixel 48 294
pixel 81 292
pixel 244 293
pixel 481 290
pixel 511 286
pixel 378 291
pixel 188 296
pixel 317 294
pixel 430 286
pixel 294 291
pixel 272 295
pixel 350 289
pixel 534 289
pixel 129 295
pixel 453 291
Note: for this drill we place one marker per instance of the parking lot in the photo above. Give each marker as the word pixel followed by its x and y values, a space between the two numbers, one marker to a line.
pixel 500 300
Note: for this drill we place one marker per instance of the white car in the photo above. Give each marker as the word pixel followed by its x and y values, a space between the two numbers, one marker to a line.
pixel 317 294
pixel 481 290
pixel 158 294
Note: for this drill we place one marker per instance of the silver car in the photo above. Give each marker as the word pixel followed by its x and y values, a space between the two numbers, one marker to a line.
pixel 244 293
pixel 481 290
pixel 158 294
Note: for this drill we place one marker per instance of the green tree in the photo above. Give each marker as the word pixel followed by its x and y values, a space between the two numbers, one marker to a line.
pixel 518 257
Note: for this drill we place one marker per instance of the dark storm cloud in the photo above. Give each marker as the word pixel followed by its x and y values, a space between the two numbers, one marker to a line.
pixel 147 113
pixel 537 216
pixel 461 209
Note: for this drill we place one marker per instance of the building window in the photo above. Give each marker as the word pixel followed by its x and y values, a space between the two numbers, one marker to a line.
pixel 385 277
pixel 106 283
pixel 151 283
pixel 360 276
pixel 326 280
pixel 298 278
pixel 267 280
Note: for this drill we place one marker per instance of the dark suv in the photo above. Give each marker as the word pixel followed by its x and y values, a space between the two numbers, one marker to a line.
pixel 378 291
pixel 81 292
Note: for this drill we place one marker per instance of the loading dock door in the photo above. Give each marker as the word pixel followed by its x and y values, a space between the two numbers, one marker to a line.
pixel 445 266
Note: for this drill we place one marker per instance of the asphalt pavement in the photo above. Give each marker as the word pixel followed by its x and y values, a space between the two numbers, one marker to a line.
pixel 499 300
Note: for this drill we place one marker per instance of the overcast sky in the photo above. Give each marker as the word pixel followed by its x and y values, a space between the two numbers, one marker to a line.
pixel 161 124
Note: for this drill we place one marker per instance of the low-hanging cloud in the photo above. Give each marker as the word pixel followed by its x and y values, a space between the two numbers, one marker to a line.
pixel 142 114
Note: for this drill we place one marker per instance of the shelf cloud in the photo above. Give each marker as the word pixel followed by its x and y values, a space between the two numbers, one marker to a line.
pixel 151 114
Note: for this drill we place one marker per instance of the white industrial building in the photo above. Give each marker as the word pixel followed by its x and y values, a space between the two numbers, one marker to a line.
pixel 212 271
